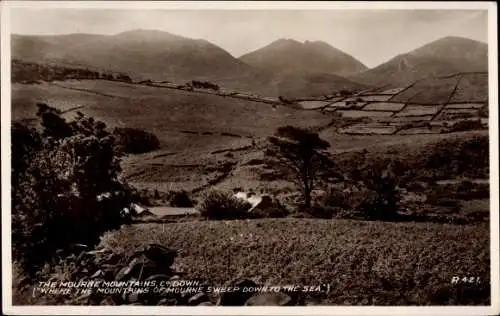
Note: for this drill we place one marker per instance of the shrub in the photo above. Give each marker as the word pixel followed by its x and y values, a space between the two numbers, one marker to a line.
pixel 483 112
pixel 203 85
pixel 269 208
pixel 333 198
pixel 345 200
pixel 319 211
pixel 458 157
pixel 466 125
pixel 135 141
pixel 269 212
pixel 344 93
pixel 467 190
pixel 123 77
pixel 219 205
pixel 66 190
pixel 284 100
pixel 382 197
pixel 180 199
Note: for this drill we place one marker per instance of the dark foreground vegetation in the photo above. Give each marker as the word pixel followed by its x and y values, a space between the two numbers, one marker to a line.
pixel 65 186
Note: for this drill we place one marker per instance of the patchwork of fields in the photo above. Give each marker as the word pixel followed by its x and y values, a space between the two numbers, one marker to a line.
pixel 436 103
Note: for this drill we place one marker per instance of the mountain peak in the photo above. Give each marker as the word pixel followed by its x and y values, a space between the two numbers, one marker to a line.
pixel 453 38
pixel 147 34
pixel 450 46
pixel 284 41
pixel 289 55
pixel 143 32
pixel 442 57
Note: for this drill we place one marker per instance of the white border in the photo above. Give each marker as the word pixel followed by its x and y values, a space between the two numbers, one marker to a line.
pixel 223 5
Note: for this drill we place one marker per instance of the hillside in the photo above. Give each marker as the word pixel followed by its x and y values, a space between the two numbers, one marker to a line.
pixel 143 53
pixel 169 113
pixel 161 56
pixel 446 56
pixel 290 56
pixel 297 85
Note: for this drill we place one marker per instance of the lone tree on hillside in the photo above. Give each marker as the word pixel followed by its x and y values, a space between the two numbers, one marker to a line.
pixel 302 152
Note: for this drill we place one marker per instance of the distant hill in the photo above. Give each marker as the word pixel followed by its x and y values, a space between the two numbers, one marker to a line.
pixel 146 54
pixel 446 56
pixel 291 56
pixel 160 56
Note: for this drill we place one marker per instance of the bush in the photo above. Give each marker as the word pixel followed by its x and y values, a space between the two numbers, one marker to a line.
pixel 483 112
pixel 467 190
pixel 284 100
pixel 180 199
pixel 269 212
pixel 219 205
pixel 135 141
pixel 66 190
pixel 466 125
pixel 319 211
pixel 124 78
pixel 382 197
pixel 346 200
pixel 458 157
pixel 203 85
pixel 269 208
pixel 334 198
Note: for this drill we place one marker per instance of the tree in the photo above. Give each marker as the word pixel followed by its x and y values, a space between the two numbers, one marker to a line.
pixel 300 151
pixel 134 141
pixel 65 186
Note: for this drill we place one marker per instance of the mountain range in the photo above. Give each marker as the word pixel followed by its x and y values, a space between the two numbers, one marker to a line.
pixel 284 67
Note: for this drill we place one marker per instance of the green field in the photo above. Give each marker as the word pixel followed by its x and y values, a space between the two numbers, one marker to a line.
pixel 364 262
pixel 165 112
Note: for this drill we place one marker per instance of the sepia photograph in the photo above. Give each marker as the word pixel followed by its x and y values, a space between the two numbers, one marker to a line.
pixel 249 158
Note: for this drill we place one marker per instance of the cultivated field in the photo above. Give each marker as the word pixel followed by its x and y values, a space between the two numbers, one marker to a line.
pixel 365 263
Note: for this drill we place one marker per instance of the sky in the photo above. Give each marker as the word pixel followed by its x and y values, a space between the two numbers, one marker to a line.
pixel 371 36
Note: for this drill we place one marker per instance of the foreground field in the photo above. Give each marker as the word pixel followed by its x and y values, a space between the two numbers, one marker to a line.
pixel 365 263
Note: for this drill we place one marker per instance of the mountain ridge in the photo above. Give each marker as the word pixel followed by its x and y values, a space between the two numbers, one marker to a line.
pixel 289 55
pixel 445 56
pixel 284 67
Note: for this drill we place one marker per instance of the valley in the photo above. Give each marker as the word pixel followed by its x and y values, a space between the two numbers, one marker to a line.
pixel 374 181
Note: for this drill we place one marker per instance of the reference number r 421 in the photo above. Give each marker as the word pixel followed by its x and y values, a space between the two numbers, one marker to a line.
pixel 465 280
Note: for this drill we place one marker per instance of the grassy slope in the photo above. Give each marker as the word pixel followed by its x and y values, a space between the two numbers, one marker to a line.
pixel 343 143
pixel 163 111
pixel 167 113
pixel 364 262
